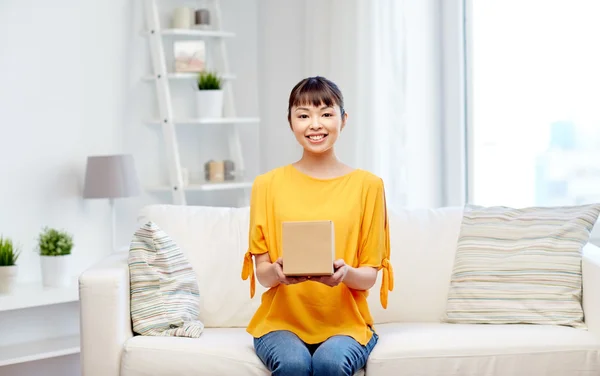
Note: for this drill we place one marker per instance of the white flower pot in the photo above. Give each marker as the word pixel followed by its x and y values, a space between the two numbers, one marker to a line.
pixel 56 270
pixel 209 103
pixel 8 278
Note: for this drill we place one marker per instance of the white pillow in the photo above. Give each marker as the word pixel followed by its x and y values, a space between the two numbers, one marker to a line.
pixel 520 266
pixel 165 300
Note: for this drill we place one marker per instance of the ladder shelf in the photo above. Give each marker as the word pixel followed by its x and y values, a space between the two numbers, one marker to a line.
pixel 219 186
pixel 186 76
pixel 196 33
pixel 207 121
pixel 168 120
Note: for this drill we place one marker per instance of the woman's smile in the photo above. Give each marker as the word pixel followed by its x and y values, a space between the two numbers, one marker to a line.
pixel 317 138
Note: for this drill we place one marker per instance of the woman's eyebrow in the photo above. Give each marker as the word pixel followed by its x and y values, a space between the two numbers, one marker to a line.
pixel 307 109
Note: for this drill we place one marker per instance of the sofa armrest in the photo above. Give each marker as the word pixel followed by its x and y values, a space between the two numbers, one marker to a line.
pixel 105 315
pixel 591 287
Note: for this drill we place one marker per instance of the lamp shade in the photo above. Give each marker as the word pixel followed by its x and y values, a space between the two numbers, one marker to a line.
pixel 110 176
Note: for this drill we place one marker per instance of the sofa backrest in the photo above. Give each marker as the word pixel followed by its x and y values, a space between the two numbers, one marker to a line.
pixel 423 244
pixel 215 240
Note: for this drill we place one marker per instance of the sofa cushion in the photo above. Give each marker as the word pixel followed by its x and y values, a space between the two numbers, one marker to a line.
pixel 214 239
pixel 164 291
pixel 218 352
pixel 415 349
pixel 428 349
pixel 520 265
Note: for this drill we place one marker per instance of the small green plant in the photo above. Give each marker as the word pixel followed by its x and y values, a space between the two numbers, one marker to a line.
pixel 8 252
pixel 208 81
pixel 52 242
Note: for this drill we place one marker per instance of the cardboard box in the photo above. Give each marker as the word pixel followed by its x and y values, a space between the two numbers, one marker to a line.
pixel 308 248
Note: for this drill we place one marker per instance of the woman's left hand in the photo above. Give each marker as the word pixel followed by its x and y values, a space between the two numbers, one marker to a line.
pixel 341 269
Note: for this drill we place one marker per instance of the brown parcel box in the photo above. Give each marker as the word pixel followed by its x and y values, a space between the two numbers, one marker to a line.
pixel 308 248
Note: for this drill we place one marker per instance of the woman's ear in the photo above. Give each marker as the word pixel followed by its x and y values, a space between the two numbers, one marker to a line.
pixel 344 119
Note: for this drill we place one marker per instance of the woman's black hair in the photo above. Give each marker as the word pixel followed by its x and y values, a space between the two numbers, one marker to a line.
pixel 315 91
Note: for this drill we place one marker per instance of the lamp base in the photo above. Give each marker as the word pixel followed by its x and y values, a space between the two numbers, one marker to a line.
pixel 113 225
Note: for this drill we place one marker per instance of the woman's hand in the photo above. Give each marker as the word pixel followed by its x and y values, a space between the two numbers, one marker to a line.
pixel 271 274
pixel 361 278
pixel 341 270
pixel 277 268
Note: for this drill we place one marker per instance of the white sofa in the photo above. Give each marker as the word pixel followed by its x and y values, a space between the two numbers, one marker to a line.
pixel 412 339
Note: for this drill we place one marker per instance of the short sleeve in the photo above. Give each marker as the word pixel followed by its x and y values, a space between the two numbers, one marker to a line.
pixel 256 233
pixel 257 243
pixel 374 247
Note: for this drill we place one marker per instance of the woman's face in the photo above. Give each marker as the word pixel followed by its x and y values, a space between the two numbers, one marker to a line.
pixel 317 127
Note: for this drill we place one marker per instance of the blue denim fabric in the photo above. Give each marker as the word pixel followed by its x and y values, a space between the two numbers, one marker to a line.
pixel 284 354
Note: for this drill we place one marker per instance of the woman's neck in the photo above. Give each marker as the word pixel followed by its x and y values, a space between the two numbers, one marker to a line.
pixel 321 161
pixel 323 165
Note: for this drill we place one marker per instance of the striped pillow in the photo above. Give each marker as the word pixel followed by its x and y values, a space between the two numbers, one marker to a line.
pixel 164 291
pixel 520 266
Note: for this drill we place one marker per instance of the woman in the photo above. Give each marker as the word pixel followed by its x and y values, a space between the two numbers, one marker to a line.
pixel 319 325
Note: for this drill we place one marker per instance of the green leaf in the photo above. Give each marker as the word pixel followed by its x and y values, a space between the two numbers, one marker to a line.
pixel 52 242
pixel 209 81
pixel 8 252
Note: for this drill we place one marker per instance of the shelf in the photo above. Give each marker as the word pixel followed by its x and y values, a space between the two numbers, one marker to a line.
pixel 197 33
pixel 29 295
pixel 198 121
pixel 36 350
pixel 220 186
pixel 187 76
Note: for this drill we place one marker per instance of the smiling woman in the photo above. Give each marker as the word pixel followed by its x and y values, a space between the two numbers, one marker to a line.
pixel 316 114
pixel 297 328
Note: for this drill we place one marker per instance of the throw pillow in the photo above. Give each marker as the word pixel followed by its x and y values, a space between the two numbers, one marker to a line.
pixel 165 300
pixel 520 266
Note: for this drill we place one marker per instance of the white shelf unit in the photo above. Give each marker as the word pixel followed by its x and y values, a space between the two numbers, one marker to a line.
pixel 210 121
pixel 194 33
pixel 29 304
pixel 38 350
pixel 187 76
pixel 28 295
pixel 208 186
pixel 168 120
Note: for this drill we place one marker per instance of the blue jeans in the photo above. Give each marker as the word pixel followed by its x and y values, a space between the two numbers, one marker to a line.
pixel 284 354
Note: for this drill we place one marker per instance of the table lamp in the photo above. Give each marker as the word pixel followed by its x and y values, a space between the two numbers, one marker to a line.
pixel 111 177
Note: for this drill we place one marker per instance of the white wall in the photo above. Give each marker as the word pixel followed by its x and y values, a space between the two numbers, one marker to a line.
pixel 62 95
pixel 281 51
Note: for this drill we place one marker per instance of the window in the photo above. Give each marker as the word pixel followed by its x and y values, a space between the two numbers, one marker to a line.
pixel 534 102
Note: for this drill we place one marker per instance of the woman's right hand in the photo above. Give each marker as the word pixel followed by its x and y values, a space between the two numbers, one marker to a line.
pixel 271 274
pixel 281 278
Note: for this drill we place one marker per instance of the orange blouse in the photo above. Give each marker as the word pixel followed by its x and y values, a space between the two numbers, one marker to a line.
pixel 355 202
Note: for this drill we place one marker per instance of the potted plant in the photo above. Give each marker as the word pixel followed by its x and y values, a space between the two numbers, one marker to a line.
pixel 8 265
pixel 209 96
pixel 55 253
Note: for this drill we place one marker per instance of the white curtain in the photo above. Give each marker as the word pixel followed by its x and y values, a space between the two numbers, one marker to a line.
pixel 382 95
pixel 361 45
